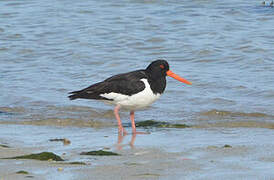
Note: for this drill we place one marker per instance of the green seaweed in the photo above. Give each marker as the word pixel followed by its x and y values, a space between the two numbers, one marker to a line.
pixel 132 164
pixel 22 172
pixel 44 156
pixel 227 146
pixel 4 146
pixel 71 163
pixel 100 153
pixel 146 123
pixel 173 126
pixel 64 140
pixel 29 176
pixel 77 163
pixel 57 139
pixel 159 124
pixel 148 175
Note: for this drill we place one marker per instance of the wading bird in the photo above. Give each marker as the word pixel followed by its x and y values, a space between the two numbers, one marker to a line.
pixel 132 91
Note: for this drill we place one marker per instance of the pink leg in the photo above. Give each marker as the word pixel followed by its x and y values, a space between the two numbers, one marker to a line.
pixel 133 124
pixel 121 129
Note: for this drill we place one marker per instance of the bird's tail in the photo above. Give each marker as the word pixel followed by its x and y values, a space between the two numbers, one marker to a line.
pixel 74 95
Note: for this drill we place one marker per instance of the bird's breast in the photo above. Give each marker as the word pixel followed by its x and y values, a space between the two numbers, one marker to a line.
pixel 136 101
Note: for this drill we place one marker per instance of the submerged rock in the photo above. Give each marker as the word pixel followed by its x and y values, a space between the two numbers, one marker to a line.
pixel 160 124
pixel 44 156
pixel 100 153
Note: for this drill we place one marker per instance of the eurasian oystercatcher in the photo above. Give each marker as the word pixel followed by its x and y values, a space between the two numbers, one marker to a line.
pixel 132 91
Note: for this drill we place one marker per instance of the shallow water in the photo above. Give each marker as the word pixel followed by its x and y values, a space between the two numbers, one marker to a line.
pixel 50 48
pixel 167 153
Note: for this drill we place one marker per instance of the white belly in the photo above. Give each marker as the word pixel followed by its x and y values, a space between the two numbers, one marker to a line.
pixel 140 100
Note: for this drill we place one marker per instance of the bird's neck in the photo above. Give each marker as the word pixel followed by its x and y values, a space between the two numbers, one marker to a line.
pixel 157 85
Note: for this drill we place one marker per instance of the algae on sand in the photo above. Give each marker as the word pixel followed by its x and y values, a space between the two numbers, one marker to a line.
pixel 22 172
pixel 159 124
pixel 44 156
pixel 100 153
pixel 77 163
pixel 71 163
pixel 4 146
pixel 64 140
pixel 227 146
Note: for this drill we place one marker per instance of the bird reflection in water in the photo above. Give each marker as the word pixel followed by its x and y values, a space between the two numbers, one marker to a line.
pixel 131 143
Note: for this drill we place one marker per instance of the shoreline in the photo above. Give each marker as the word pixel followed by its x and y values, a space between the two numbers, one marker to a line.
pixel 199 153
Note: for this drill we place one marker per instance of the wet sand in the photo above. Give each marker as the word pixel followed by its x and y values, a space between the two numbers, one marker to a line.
pixel 190 153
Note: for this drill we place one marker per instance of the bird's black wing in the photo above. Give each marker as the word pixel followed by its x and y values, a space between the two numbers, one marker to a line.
pixel 126 84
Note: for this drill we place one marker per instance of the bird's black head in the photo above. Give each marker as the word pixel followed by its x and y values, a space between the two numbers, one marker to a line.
pixel 157 72
pixel 158 68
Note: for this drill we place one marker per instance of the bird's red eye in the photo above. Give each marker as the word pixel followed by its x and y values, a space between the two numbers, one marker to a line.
pixel 162 66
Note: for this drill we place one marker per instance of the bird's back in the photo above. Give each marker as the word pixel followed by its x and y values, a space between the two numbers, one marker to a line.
pixel 126 84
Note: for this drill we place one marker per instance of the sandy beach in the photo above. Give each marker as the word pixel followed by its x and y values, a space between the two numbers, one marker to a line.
pixel 190 153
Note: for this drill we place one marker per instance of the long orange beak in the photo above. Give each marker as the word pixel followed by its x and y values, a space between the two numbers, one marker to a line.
pixel 177 77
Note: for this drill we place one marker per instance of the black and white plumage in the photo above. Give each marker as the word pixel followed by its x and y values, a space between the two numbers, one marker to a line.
pixel 133 90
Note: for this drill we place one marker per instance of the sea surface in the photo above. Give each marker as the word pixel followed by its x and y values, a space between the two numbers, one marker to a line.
pixel 225 48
